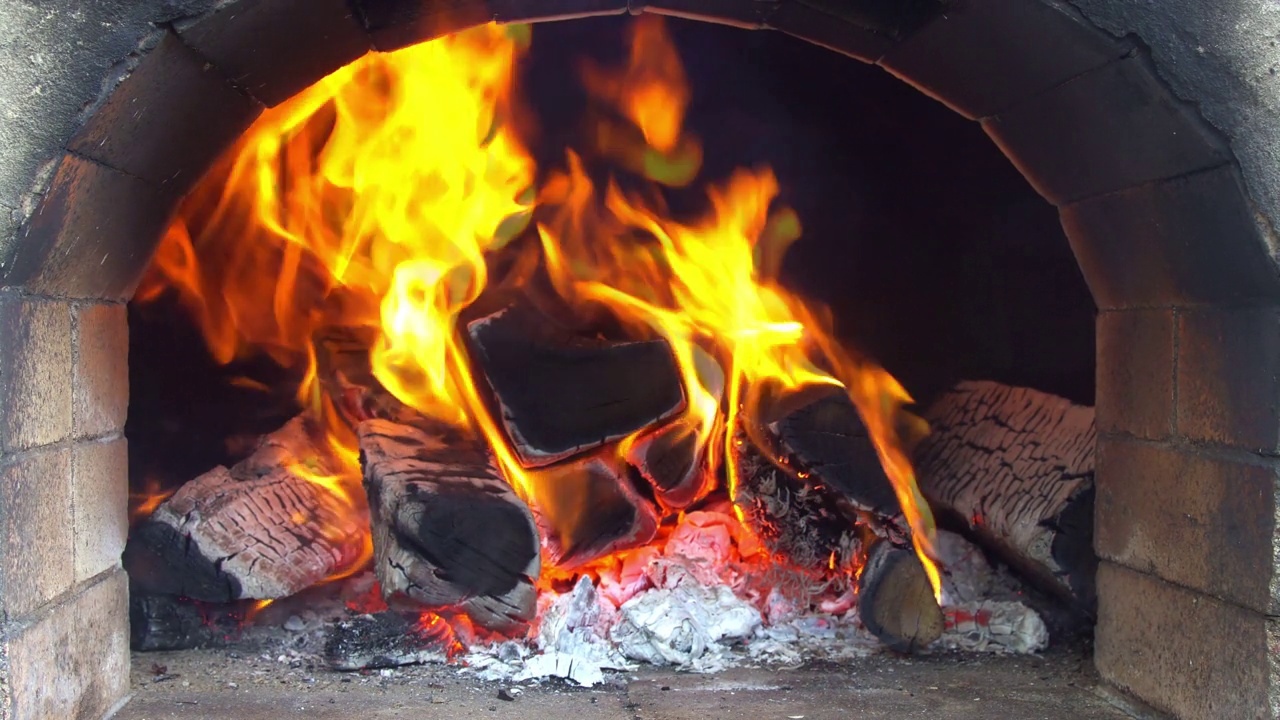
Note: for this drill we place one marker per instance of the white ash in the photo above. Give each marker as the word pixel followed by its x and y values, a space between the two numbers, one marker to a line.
pixel 979 605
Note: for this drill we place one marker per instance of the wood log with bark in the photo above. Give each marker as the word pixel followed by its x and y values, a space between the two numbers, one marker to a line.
pixel 558 394
pixel 448 531
pixel 895 599
pixel 1013 468
pixel 259 529
pixel 592 506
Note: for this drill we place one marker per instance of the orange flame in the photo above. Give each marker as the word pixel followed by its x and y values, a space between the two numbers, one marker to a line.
pixel 374 198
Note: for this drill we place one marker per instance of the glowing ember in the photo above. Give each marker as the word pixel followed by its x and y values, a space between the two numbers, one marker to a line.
pixel 377 198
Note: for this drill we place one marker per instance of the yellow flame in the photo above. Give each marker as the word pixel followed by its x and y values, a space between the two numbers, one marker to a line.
pixel 374 198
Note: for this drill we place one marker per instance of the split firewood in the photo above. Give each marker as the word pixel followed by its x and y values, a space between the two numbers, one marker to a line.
pixel 448 531
pixel 592 506
pixel 346 376
pixel 388 639
pixel 816 493
pixel 258 530
pixel 895 599
pixel 165 622
pixel 558 394
pixel 1014 468
pixel 670 456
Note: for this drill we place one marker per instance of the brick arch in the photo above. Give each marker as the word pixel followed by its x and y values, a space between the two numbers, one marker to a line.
pixel 1151 197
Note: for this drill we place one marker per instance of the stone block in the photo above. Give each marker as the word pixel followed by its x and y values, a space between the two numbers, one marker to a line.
pixel 92 234
pixel 1179 651
pixel 1135 353
pixel 1189 240
pixel 509 11
pixel 981 58
pixel 101 394
pixel 255 43
pixel 746 14
pixel 100 505
pixel 167 121
pixel 35 530
pixel 1204 523
pixel 829 31
pixel 1228 377
pixel 1106 130
pixel 394 24
pixel 35 372
pixel 73 662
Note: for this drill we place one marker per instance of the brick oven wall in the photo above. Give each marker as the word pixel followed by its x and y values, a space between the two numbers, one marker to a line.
pixel 113 108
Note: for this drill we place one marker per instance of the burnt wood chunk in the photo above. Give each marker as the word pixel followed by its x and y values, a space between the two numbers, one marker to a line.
pixel 558 394
pixel 387 639
pixel 165 622
pixel 790 516
pixel 592 506
pixel 895 599
pixel 448 531
pixel 1014 467
pixel 827 439
pixel 258 530
pixel 672 462
pixel 344 372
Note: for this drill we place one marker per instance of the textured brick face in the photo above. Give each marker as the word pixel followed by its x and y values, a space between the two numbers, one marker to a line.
pixel 100 504
pixel 35 372
pixel 35 530
pixel 1185 653
pixel 1200 522
pixel 102 370
pixel 1229 377
pixel 1135 373
pixel 73 663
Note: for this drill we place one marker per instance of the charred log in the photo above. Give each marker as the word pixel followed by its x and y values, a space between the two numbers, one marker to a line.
pixel 387 639
pixel 1014 468
pixel 673 462
pixel 258 530
pixel 826 438
pixel 447 529
pixel 791 516
pixel 592 506
pixel 344 372
pixel 895 599
pixel 558 394
pixel 164 622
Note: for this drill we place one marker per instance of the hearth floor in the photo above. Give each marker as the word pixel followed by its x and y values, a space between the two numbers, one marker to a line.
pixel 192 685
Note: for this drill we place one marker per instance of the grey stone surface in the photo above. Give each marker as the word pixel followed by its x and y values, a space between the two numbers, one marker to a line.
pixel 35 531
pixel 36 370
pixel 209 684
pixel 99 505
pixel 72 663
pixel 1225 56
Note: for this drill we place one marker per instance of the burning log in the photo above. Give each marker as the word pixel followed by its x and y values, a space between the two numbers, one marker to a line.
pixel 820 494
pixel 259 530
pixel 672 461
pixel 895 599
pixel 558 394
pixel 344 372
pixel 1014 467
pixel 448 531
pixel 164 622
pixel 388 639
pixel 591 507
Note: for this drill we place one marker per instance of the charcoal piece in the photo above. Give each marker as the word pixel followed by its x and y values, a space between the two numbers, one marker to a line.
pixel 557 394
pixel 895 599
pixel 258 530
pixel 165 622
pixel 827 438
pixel 590 507
pixel 387 639
pixel 671 460
pixel 1013 468
pixel 447 529
pixel 792 517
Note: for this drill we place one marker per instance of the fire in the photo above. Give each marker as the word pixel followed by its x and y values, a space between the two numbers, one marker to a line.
pixel 376 198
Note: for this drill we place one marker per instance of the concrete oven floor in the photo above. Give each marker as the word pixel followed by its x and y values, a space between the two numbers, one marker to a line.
pixel 215 684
